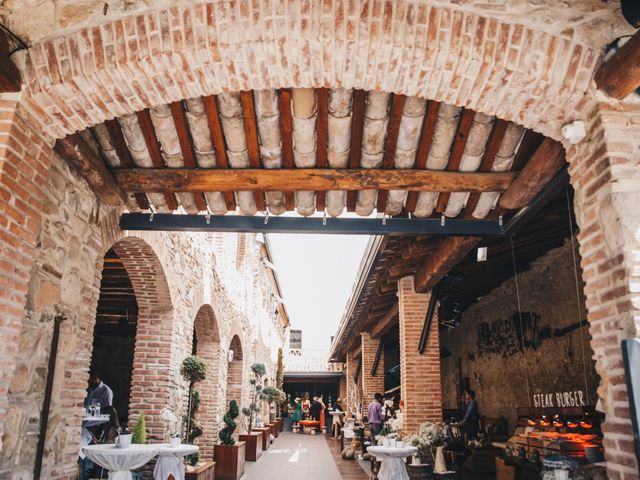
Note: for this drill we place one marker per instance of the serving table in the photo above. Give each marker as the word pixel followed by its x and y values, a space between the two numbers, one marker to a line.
pixel 89 421
pixel 392 463
pixel 120 461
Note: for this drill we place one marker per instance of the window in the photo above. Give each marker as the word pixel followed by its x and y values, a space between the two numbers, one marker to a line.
pixel 295 339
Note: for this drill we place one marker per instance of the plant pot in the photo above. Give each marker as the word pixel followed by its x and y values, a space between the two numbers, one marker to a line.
pixel 266 438
pixel 253 449
pixel 203 471
pixel 280 423
pixel 229 461
pixel 421 471
pixel 275 429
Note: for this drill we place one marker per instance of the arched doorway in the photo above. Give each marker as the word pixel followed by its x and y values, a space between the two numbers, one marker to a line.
pixel 114 333
pixel 206 345
pixel 234 372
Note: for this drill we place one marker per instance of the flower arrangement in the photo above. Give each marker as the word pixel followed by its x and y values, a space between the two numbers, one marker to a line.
pixel 430 436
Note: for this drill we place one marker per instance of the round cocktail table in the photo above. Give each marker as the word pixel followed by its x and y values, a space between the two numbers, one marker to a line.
pixel 392 466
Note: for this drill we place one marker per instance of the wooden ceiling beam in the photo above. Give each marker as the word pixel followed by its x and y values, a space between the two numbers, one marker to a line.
pixel 186 147
pixel 286 134
pixel 385 323
pixel 449 252
pixel 77 153
pixel 300 179
pixel 620 75
pixel 219 145
pixel 253 145
pixel 322 128
pixel 357 127
pixel 424 146
pixel 155 152
pixel 391 141
pixel 543 165
pixel 457 150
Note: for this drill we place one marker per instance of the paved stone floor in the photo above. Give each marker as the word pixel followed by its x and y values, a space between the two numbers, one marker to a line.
pixel 297 457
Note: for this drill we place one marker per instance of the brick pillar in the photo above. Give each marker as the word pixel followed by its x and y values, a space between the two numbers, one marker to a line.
pixel 25 159
pixel 350 370
pixel 371 384
pixel 605 173
pixel 342 390
pixel 420 374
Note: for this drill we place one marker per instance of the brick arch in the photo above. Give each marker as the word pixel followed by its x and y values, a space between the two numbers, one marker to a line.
pixel 207 334
pixel 235 371
pixel 154 333
pixel 443 52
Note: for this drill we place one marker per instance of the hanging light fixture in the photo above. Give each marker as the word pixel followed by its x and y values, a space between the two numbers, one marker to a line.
pixel 557 421
pixel 544 421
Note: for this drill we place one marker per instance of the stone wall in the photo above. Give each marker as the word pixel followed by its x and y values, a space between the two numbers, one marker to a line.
pixel 173 275
pixel 496 368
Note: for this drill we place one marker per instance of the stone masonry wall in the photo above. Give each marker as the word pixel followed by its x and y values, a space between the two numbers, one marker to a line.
pixel 183 272
pixel 555 364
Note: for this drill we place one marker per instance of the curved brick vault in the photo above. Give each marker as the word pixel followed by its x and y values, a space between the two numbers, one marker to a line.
pixel 439 52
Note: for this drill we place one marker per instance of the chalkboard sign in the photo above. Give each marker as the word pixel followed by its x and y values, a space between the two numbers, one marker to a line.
pixel 631 356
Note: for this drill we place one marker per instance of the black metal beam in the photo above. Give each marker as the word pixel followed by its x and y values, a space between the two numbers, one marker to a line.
pixel 356 375
pixel 309 225
pixel 376 360
pixel 428 320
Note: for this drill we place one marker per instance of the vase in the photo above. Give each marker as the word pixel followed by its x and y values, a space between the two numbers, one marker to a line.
pixel 440 465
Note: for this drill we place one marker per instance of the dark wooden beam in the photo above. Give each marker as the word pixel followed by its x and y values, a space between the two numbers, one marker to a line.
pixel 376 360
pixel 457 150
pixel 75 151
pixel 357 127
pixel 449 252
pixel 219 145
pixel 124 155
pixel 424 146
pixel 490 152
pixel 300 179
pixel 186 147
pixel 620 75
pixel 391 140
pixel 541 168
pixel 155 152
pixel 253 145
pixel 385 323
pixel 286 134
pixel 322 128
pixel 9 74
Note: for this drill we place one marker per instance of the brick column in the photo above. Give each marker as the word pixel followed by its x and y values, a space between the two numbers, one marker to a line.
pixel 342 390
pixel 350 370
pixel 371 384
pixel 25 159
pixel 605 173
pixel 420 374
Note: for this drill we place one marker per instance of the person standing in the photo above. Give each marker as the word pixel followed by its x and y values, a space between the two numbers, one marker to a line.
pixel 375 417
pixel 469 423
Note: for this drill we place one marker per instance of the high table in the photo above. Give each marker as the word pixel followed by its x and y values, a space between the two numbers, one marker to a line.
pixel 392 466
pixel 336 421
pixel 120 461
pixel 89 421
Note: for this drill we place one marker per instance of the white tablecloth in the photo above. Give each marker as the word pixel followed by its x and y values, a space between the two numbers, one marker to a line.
pixel 170 461
pixel 89 421
pixel 392 466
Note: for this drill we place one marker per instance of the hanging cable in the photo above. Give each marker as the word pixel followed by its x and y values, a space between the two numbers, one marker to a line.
pixel 575 274
pixel 524 358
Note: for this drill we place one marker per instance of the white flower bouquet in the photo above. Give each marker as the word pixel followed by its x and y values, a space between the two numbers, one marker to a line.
pixel 430 436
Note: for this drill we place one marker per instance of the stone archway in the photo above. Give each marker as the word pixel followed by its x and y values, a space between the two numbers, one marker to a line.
pixel 235 372
pixel 151 379
pixel 207 347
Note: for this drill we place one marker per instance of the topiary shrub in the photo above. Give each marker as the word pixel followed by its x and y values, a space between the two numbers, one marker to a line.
pixel 193 370
pixel 226 434
pixel 139 432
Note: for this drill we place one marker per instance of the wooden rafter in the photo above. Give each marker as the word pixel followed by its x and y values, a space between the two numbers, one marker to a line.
pixel 155 152
pixel 543 165
pixel 75 151
pixel 253 145
pixel 448 253
pixel 386 322
pixel 357 127
pixel 322 127
pixel 300 179
pixel 424 145
pixel 457 150
pixel 286 133
pixel 120 145
pixel 391 140
pixel 620 75
pixel 219 145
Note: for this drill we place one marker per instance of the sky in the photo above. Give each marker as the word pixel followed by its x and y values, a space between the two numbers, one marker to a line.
pixel 316 275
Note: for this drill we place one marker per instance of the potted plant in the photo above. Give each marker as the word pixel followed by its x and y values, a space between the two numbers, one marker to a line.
pixel 229 454
pixel 273 396
pixel 430 436
pixel 253 439
pixel 193 370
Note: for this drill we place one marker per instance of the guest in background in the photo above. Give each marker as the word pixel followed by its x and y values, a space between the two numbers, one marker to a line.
pixel 469 423
pixel 314 410
pixel 375 417
pixel 98 392
pixel 306 405
pixel 297 413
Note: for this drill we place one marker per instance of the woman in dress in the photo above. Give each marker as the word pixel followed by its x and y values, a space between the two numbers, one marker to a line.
pixel 297 413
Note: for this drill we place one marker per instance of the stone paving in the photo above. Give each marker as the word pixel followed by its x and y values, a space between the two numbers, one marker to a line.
pixel 295 457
